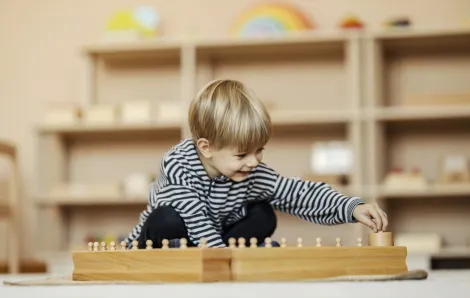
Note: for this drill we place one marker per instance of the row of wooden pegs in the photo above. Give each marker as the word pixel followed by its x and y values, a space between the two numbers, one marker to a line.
pixel 253 242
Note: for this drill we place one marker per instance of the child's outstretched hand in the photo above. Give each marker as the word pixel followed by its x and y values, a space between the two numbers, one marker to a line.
pixel 372 216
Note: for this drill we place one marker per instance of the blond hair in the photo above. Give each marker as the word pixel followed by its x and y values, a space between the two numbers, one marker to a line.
pixel 229 115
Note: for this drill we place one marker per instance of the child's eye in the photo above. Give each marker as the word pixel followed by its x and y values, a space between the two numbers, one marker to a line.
pixel 241 155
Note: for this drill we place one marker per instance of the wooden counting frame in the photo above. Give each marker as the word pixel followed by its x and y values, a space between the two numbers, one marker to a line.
pixel 245 262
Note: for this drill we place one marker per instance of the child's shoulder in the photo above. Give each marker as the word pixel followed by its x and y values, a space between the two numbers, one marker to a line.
pixel 181 155
pixel 184 150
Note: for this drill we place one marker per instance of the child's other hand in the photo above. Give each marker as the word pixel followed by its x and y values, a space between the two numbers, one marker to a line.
pixel 372 216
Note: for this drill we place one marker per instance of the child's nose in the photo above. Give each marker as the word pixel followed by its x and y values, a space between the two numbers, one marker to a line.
pixel 252 162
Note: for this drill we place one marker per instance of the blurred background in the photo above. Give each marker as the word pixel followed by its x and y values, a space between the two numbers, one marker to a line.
pixel 372 97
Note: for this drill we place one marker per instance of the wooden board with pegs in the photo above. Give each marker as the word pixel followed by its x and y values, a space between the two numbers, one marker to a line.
pixel 185 264
pixel 242 260
pixel 299 262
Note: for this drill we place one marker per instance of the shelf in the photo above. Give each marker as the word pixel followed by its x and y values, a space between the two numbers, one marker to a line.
pixel 107 129
pixel 312 84
pixel 90 201
pixel 280 118
pixel 291 117
pixel 399 114
pixel 432 191
pixel 290 44
pixel 163 47
pixel 431 39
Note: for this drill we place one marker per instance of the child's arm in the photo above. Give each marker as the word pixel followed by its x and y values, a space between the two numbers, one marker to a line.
pixel 312 201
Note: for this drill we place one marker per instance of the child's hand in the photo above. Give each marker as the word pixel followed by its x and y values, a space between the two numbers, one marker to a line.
pixel 372 216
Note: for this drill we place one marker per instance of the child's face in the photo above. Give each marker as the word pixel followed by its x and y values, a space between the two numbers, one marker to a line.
pixel 236 165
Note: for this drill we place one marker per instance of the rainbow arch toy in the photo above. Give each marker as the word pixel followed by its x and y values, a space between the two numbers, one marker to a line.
pixel 270 19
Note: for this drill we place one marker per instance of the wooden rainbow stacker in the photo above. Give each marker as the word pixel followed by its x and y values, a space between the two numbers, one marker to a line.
pixel 243 262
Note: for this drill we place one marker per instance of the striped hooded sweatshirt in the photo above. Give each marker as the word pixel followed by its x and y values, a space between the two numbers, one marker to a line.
pixel 207 205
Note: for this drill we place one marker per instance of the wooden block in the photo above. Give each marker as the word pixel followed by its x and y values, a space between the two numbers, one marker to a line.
pixel 246 262
pixel 309 263
pixel 100 113
pixel 381 239
pixel 156 265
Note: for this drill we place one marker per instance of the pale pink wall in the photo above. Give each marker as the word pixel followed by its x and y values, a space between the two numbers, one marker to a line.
pixel 40 60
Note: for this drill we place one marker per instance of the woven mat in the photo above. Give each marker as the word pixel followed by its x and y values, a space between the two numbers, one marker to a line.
pixel 67 280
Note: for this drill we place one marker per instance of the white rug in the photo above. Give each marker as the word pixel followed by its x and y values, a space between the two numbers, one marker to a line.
pixel 440 284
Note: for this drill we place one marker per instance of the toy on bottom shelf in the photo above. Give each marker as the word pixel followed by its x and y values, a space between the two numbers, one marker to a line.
pixel 399 179
pixel 243 262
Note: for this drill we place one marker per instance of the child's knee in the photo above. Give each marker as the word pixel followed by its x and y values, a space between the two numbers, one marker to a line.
pixel 264 212
pixel 164 218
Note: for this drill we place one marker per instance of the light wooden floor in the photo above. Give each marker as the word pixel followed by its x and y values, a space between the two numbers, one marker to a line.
pixel 440 284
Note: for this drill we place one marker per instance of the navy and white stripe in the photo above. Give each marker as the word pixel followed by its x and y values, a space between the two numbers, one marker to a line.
pixel 208 204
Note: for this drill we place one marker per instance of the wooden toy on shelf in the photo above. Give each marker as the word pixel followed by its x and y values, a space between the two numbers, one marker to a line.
pixel 351 22
pixel 454 169
pixel 270 19
pixel 243 262
pixel 400 179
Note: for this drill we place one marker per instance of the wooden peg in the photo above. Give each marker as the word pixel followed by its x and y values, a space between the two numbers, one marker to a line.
pixel 241 242
pixel 183 243
pixel 338 241
pixel 103 246
pixel 283 242
pixel 253 242
pixel 112 245
pixel 381 239
pixel 203 242
pixel 318 240
pixel 359 241
pixel 300 242
pixel 96 246
pixel 149 244
pixel 123 245
pixel 135 244
pixel 165 243
pixel 268 242
pixel 90 246
pixel 232 242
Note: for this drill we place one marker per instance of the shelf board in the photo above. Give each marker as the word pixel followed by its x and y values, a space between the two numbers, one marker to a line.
pixel 89 200
pixel 311 42
pixel 165 47
pixel 432 191
pixel 108 128
pixel 452 252
pixel 413 33
pixel 307 117
pixel 397 114
pixel 280 118
pixel 430 39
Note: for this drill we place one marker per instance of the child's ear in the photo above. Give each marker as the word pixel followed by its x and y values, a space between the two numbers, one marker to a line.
pixel 204 147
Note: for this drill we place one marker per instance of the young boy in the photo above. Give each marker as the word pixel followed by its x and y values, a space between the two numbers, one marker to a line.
pixel 215 185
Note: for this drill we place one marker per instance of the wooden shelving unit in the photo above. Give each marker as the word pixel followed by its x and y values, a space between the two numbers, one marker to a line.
pixel 400 66
pixel 345 86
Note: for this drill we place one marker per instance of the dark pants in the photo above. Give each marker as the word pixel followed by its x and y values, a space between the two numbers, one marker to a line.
pixel 165 223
